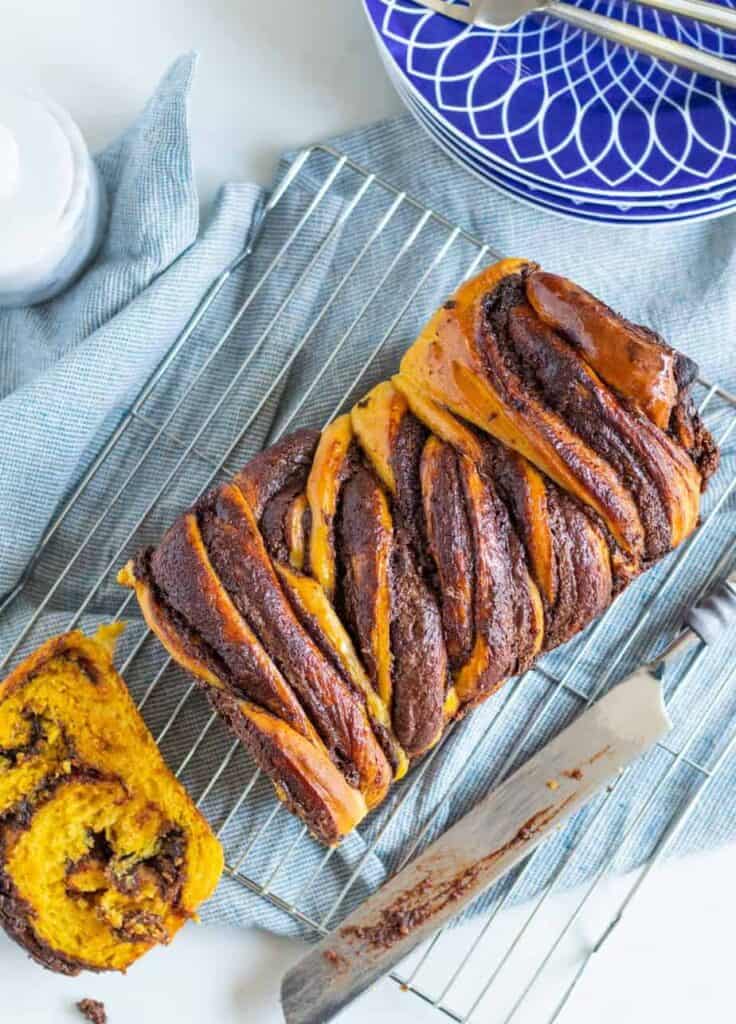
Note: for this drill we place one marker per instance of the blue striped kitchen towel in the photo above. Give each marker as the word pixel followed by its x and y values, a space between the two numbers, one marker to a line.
pixel 71 370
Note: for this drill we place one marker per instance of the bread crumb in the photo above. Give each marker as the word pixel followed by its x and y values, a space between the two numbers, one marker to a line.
pixel 553 784
pixel 93 1010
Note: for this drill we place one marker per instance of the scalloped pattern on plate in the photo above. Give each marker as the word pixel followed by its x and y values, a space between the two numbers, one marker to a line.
pixel 565 108
pixel 576 207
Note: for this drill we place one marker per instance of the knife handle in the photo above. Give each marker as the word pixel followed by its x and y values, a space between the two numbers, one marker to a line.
pixel 715 614
pixel 708 620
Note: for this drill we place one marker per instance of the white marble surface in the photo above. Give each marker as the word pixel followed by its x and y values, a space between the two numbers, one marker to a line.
pixel 273 75
pixel 669 962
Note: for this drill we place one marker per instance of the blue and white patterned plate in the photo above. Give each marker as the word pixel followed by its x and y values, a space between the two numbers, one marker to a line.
pixel 666 204
pixel 582 209
pixel 603 209
pixel 552 105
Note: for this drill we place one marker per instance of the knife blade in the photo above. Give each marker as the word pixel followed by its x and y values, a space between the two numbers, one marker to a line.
pixel 501 830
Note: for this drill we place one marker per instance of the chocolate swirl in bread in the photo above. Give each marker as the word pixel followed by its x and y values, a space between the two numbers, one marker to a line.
pixel 102 853
pixel 351 592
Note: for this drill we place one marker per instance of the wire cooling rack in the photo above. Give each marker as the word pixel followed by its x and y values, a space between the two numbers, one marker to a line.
pixel 197 419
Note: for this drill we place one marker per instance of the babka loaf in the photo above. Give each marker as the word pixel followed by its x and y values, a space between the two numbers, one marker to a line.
pixel 102 853
pixel 350 592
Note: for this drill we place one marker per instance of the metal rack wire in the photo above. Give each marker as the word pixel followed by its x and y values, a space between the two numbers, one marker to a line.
pixel 164 451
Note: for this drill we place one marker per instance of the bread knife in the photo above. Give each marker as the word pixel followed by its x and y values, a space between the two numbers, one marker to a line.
pixel 500 831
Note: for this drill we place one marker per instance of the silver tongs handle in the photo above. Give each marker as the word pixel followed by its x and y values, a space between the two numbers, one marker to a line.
pixel 495 14
pixel 485 12
pixel 699 10
pixel 655 45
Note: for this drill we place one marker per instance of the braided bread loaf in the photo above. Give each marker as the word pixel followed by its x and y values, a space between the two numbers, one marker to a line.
pixel 351 592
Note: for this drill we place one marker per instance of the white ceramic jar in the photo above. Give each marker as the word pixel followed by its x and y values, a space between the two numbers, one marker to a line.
pixel 52 206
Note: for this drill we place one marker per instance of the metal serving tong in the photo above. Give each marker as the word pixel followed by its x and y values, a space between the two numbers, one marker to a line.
pixel 496 14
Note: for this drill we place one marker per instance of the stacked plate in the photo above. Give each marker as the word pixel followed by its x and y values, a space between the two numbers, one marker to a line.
pixel 565 120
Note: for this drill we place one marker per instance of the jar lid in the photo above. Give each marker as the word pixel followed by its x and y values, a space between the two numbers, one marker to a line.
pixel 37 178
